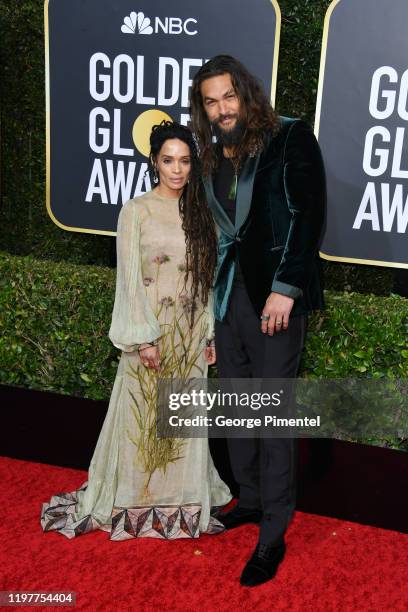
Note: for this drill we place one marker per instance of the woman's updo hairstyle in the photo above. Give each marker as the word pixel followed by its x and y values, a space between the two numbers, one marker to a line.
pixel 167 130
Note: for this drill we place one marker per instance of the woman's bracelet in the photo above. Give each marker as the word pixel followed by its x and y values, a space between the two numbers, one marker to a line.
pixel 146 345
pixel 210 342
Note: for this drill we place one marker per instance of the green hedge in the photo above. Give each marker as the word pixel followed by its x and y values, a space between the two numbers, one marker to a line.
pixel 25 227
pixel 53 326
pixel 55 319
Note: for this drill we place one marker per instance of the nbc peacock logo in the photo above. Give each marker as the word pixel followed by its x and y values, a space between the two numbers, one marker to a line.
pixel 139 23
pixel 136 23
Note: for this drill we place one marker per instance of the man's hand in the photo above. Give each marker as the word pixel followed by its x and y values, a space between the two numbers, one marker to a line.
pixel 278 308
pixel 210 355
pixel 150 357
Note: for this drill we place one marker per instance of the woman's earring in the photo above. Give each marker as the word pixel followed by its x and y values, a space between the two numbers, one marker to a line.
pixel 155 176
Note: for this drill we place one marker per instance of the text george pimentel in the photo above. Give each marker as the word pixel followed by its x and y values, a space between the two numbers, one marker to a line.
pixel 246 422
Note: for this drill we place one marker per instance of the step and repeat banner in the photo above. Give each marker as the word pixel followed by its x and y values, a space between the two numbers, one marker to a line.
pixel 361 123
pixel 114 69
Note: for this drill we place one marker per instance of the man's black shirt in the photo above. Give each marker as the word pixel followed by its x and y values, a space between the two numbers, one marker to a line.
pixel 223 179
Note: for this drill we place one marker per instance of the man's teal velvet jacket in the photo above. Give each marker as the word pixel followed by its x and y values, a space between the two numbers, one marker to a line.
pixel 280 207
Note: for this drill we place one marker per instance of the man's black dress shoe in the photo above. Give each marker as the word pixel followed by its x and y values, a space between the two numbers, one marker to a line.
pixel 239 516
pixel 263 564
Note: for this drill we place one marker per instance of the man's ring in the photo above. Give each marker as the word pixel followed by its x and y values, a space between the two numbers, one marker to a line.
pixel 278 323
pixel 265 317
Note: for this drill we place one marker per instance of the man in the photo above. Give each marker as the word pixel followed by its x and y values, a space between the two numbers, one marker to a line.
pixel 265 185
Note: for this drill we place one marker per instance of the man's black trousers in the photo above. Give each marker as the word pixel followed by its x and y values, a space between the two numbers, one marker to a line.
pixel 264 468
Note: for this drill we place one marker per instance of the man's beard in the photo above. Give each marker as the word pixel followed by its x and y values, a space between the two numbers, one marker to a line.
pixel 231 137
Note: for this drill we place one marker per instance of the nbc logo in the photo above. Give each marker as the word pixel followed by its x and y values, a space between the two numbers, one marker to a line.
pixel 138 23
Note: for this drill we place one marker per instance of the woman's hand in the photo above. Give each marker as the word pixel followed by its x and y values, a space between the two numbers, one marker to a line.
pixel 210 354
pixel 150 357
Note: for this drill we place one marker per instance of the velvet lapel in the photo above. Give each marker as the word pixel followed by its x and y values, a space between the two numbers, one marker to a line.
pixel 244 190
pixel 220 216
pixel 244 198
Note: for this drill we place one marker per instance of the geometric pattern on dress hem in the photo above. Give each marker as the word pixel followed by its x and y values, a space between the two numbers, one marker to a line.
pixel 163 522
pixel 167 523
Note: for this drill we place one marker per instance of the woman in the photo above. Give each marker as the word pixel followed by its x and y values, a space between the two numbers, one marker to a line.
pixel 138 484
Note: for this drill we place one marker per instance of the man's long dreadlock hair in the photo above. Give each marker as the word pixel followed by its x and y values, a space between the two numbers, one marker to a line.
pixel 257 114
pixel 197 221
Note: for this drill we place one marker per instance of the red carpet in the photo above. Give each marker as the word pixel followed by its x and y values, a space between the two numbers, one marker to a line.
pixel 330 565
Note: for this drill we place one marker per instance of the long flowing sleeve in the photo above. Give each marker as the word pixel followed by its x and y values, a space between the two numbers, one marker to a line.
pixel 133 320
